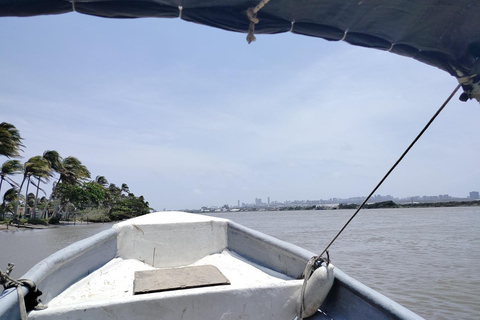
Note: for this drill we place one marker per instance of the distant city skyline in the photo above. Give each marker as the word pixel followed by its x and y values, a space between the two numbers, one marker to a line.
pixel 258 202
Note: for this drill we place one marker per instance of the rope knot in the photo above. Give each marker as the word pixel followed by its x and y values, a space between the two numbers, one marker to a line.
pixel 28 302
pixel 252 16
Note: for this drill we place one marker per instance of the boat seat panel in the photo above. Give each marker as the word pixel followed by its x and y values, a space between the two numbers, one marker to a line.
pixel 147 281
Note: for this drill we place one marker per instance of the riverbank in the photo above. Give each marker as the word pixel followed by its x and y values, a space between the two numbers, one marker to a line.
pixel 30 226
pixel 349 206
pixel 391 205
pixel 5 227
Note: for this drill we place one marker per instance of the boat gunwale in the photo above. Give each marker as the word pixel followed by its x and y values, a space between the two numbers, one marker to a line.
pixel 49 266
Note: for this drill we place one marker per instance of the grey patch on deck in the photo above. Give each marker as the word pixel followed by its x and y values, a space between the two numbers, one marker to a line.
pixel 177 278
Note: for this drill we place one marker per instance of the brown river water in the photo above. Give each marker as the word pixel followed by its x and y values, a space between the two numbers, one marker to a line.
pixel 425 259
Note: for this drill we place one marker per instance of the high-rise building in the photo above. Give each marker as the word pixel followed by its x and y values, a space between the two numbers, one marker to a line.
pixel 474 195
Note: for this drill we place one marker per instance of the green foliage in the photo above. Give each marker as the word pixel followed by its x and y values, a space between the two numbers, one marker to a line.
pixel 101 180
pixel 442 204
pixel 89 194
pixel 68 193
pixel 94 192
pixel 89 197
pixel 10 168
pixel 38 221
pixel 97 200
pixel 54 160
pixel 347 206
pixel 129 207
pixel 10 140
pixel 382 205
pixel 73 171
pixel 9 202
pixel 54 220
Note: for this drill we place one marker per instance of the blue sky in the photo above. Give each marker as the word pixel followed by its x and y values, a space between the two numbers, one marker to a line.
pixel 192 116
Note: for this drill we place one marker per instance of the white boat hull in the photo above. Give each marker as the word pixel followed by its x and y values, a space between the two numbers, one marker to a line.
pixel 94 278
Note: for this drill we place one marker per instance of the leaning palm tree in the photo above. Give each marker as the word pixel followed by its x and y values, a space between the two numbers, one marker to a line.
pixel 125 188
pixel 41 178
pixel 74 172
pixel 54 160
pixel 10 140
pixel 35 166
pixel 112 193
pixel 101 180
pixel 9 168
pixel 10 198
pixel 55 164
pixel 43 202
pixel 29 203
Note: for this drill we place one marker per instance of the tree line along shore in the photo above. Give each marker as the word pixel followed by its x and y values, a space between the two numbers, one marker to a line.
pixel 74 195
pixel 391 204
pixel 342 206
pixel 387 205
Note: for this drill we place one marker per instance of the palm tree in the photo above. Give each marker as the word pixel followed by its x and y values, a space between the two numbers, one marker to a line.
pixel 125 188
pixel 55 163
pixel 74 172
pixel 10 167
pixel 9 202
pixel 112 193
pixel 35 166
pixel 71 171
pixel 47 206
pixel 54 160
pixel 45 177
pixel 29 204
pixel 101 180
pixel 10 140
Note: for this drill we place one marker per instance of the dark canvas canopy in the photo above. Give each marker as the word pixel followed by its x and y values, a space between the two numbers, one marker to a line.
pixel 441 33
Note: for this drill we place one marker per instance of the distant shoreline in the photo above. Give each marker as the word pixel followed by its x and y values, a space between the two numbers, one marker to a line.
pixel 377 205
pixel 442 204
pixel 342 206
pixel 391 204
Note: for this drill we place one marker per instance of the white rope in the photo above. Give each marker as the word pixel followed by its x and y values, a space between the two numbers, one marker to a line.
pixel 260 5
pixel 307 274
pixel 73 6
pixel 34 293
pixel 466 79
pixel 391 47
pixel 291 28
pixel 344 35
pixel 21 303
pixel 9 282
pixel 252 16
pixel 180 10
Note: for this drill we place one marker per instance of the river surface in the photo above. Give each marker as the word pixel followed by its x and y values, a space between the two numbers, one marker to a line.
pixel 426 259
